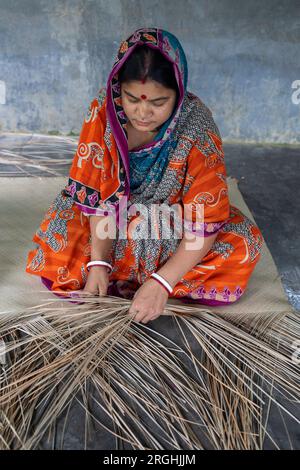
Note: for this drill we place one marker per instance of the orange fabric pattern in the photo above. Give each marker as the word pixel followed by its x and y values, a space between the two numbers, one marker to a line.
pixel 64 243
pixel 183 166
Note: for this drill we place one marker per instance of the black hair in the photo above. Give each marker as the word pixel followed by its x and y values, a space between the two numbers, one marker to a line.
pixel 146 62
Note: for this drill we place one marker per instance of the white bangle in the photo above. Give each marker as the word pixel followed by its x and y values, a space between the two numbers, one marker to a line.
pixel 99 263
pixel 162 281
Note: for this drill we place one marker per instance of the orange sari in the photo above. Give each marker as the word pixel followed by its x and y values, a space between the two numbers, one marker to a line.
pixel 191 168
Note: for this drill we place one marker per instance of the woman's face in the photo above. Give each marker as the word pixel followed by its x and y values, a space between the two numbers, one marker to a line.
pixel 147 105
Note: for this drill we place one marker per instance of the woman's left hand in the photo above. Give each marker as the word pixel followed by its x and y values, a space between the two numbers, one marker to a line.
pixel 150 300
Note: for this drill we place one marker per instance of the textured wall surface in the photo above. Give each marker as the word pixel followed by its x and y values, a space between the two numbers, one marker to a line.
pixel 243 58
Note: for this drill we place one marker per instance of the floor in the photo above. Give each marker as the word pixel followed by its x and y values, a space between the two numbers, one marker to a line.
pixel 268 178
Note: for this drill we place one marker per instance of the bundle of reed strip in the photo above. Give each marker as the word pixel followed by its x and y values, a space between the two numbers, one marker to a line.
pixel 208 384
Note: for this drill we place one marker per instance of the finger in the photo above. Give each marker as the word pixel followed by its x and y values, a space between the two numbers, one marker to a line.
pixel 133 309
pixel 151 317
pixel 86 292
pixel 137 315
pixel 144 317
pixel 134 314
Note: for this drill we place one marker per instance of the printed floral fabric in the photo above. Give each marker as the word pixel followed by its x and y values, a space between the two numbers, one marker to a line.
pixel 183 167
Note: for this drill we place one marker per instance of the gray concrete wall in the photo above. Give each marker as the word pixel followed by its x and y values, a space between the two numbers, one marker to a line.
pixel 243 57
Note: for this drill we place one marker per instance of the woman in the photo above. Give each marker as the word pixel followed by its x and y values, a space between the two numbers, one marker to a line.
pixel 147 142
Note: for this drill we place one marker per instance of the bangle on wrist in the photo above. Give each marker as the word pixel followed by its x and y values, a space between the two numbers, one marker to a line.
pixel 99 263
pixel 162 282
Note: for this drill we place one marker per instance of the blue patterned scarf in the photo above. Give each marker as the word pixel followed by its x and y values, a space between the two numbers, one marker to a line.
pixel 149 163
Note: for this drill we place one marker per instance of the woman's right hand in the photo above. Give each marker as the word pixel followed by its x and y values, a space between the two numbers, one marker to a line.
pixel 97 281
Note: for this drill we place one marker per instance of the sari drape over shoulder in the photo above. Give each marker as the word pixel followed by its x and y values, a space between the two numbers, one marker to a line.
pixel 183 167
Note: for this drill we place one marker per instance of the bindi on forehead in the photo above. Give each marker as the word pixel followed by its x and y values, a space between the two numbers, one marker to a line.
pixel 143 81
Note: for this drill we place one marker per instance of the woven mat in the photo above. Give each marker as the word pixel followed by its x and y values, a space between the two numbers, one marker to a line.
pixel 24 201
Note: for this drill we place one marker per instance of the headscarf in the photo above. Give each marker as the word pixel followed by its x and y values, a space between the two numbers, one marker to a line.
pixel 149 162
